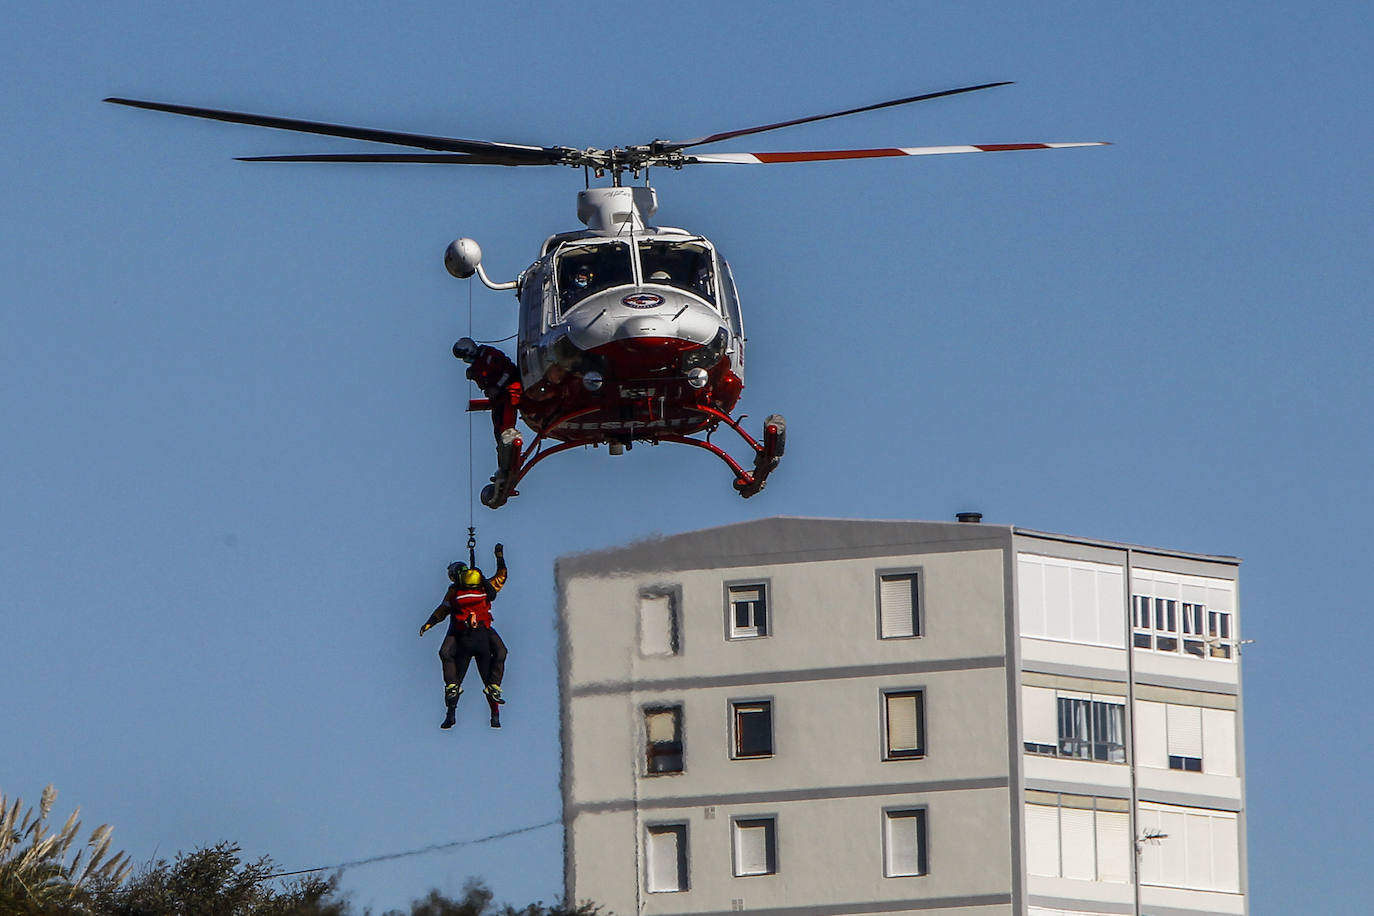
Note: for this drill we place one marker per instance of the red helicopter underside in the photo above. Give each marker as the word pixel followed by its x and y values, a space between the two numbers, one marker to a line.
pixel 644 394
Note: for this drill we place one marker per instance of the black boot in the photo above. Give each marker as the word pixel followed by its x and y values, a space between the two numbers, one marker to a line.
pixel 451 694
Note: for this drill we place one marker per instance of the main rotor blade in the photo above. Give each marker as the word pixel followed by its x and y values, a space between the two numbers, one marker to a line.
pixel 833 154
pixel 540 155
pixel 439 158
pixel 683 144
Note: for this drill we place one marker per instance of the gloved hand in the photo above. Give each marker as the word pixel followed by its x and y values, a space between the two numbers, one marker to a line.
pixel 500 550
pixel 425 628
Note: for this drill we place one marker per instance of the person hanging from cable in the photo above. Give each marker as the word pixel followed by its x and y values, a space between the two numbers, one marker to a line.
pixel 471 637
pixel 499 379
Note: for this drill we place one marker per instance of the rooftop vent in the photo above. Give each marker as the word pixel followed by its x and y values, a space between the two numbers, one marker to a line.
pixel 972 518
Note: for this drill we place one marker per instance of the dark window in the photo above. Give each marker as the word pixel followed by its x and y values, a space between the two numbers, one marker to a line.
pixel 1092 730
pixel 1191 764
pixel 754 729
pixel 748 611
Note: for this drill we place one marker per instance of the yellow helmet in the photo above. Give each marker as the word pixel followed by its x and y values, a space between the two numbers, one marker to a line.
pixel 472 577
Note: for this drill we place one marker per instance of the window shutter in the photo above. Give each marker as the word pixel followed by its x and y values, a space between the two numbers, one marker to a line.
pixel 1058 603
pixel 1151 852
pixel 1185 731
pixel 1199 872
pixel 1079 851
pixel 657 628
pixel 1225 854
pixel 903 843
pixel 1039 717
pixel 1219 741
pixel 902 723
pixel 1030 593
pixel 667 858
pixel 1113 847
pixel 1151 735
pixel 897 604
pixel 1173 849
pixel 1042 840
pixel 1083 594
pixel 751 847
pixel 1111 611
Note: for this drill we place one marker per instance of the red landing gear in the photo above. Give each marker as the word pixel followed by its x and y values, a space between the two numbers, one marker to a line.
pixel 515 461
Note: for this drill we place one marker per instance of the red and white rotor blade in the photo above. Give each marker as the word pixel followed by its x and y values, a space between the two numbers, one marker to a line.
pixel 834 154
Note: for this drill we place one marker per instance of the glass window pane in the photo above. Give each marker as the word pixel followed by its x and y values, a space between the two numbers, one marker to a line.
pixel 753 729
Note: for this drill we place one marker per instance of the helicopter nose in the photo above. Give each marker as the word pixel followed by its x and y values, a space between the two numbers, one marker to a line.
pixel 637 314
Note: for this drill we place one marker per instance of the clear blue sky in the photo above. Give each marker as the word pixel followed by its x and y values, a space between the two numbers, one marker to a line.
pixel 235 458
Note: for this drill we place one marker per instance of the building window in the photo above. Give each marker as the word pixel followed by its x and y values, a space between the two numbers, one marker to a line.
pixel 1077 725
pixel 753 728
pixel 663 740
pixel 1219 634
pixel 1181 614
pixel 899 605
pixel 1071 600
pixel 748 610
pixel 904 726
pixel 1092 729
pixel 1196 848
pixel 666 858
pixel 658 622
pixel 1184 725
pixel 904 843
pixel 756 846
pixel 1078 836
pixel 1185 737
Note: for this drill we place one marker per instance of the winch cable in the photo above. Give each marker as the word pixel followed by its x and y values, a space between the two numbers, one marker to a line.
pixel 472 529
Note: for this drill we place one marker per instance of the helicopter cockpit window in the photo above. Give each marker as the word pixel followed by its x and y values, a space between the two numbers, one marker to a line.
pixel 587 269
pixel 686 265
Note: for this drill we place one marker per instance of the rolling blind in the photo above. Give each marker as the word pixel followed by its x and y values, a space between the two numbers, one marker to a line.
pixel 903 843
pixel 897 605
pixel 752 843
pixel 666 852
pixel 903 731
pixel 1185 731
pixel 656 625
pixel 1113 847
pixel 1079 850
pixel 1042 840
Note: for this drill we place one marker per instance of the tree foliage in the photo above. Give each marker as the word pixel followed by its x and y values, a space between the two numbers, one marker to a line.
pixel 477 901
pixel 214 881
pixel 38 879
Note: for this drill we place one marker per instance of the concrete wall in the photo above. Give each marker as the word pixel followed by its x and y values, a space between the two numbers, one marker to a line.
pixel 824 668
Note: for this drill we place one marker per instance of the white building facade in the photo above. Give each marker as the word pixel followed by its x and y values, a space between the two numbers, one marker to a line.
pixel 832 717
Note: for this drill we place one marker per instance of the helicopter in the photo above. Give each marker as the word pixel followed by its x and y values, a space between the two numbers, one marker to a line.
pixel 628 332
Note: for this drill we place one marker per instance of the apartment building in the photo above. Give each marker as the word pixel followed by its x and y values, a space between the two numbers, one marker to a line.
pixel 825 716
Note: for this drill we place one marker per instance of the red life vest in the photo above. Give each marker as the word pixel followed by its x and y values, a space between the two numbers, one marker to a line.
pixel 468 606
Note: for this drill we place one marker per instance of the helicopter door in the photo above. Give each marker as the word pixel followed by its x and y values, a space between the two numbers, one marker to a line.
pixel 535 291
pixel 729 300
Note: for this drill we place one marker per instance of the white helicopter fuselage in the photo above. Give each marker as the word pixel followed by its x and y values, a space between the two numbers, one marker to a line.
pixel 631 327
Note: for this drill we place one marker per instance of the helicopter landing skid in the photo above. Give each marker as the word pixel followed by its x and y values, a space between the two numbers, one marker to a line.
pixel 766 455
pixel 519 461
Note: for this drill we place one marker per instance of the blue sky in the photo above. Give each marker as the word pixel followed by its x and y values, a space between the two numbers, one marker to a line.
pixel 235 458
